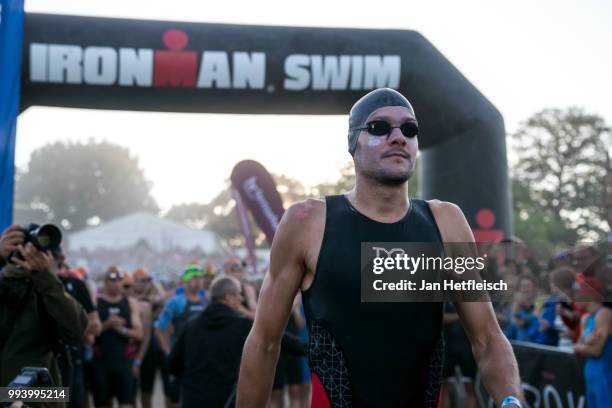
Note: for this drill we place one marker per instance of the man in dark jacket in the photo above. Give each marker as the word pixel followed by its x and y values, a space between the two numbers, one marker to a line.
pixel 206 356
pixel 32 299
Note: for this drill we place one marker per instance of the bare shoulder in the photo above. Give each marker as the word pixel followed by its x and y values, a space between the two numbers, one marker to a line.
pixel 445 208
pixel 304 212
pixel 300 221
pixel 301 218
pixel 451 221
pixel 299 236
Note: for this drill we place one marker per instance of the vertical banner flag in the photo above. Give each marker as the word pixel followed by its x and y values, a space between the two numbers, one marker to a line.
pixel 258 192
pixel 11 36
pixel 245 227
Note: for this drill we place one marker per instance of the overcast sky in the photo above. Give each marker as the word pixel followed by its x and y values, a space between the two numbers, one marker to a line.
pixel 523 55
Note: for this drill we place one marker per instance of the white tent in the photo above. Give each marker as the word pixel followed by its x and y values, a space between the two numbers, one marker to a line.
pixel 158 233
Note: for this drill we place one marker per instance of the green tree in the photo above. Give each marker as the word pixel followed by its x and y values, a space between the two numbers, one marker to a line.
pixel 81 184
pixel 344 183
pixel 290 189
pixel 537 225
pixel 219 215
pixel 562 175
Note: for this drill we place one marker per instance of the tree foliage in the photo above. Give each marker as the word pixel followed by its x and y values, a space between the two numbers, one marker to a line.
pixel 80 184
pixel 220 216
pixel 537 225
pixel 562 176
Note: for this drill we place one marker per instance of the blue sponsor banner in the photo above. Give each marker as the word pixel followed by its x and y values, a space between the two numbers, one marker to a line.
pixel 11 37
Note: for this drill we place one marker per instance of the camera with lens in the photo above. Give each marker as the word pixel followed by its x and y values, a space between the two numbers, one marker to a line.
pixel 29 377
pixel 32 377
pixel 44 238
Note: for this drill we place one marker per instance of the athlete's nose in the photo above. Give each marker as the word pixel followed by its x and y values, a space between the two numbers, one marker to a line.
pixel 396 136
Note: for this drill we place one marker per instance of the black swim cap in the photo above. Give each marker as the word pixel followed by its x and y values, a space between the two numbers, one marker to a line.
pixel 364 107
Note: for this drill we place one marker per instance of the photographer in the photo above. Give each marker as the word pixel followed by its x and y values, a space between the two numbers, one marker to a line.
pixel 35 310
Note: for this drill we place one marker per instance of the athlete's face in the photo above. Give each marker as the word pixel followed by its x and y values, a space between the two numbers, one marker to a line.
pixel 112 286
pixel 389 159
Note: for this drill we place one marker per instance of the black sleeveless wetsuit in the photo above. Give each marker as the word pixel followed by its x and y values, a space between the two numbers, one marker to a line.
pixel 371 354
pixel 111 346
pixel 112 362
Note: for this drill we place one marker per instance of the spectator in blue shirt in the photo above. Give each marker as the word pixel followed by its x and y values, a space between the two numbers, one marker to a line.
pixel 549 331
pixel 524 326
pixel 181 308
pixel 525 323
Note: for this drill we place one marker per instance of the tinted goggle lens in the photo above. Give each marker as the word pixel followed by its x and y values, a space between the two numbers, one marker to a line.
pixel 381 128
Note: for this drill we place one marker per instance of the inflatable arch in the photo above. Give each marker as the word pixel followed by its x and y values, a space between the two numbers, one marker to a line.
pixel 106 63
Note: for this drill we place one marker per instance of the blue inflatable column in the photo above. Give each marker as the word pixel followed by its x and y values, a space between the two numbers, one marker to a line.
pixel 11 37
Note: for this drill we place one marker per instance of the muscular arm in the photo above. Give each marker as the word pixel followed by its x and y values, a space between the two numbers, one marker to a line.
pixel 287 269
pixel 146 315
pixel 249 297
pixel 134 332
pixel 492 351
pixel 162 327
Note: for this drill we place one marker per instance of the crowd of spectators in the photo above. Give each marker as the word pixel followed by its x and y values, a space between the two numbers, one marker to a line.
pixel 555 302
pixel 183 316
pixel 544 306
pixel 144 326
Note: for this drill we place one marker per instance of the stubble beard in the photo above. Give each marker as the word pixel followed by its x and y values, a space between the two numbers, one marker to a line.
pixel 388 178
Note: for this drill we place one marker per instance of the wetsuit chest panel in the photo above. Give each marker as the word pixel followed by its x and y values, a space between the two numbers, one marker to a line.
pixel 371 354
